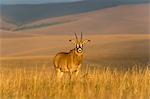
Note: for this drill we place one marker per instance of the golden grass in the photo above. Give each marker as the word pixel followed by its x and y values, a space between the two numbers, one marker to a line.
pixel 104 83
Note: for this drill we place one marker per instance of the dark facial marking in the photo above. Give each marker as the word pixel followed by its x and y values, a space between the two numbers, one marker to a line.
pixel 79 48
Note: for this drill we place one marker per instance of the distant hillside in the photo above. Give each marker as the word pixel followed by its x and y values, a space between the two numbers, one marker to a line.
pixel 22 14
pixel 123 19
pixel 6 25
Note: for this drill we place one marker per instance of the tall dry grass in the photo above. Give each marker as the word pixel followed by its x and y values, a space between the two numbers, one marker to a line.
pixel 105 83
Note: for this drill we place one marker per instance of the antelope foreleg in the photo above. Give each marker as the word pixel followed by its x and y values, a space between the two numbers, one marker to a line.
pixel 76 73
pixel 59 74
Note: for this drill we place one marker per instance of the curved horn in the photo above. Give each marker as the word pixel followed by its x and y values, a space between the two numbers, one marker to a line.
pixel 81 36
pixel 76 36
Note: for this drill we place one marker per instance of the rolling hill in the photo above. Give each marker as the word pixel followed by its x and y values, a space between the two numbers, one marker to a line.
pixel 119 35
pixel 28 13
pixel 124 19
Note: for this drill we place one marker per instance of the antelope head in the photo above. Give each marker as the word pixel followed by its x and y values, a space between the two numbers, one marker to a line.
pixel 79 43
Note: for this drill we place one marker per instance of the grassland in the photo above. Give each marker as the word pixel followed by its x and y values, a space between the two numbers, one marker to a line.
pixel 108 72
pixel 119 40
pixel 91 83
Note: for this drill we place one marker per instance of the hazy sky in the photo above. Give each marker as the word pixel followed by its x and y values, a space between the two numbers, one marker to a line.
pixel 32 1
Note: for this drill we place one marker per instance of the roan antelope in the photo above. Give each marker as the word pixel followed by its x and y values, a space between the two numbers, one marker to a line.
pixel 70 61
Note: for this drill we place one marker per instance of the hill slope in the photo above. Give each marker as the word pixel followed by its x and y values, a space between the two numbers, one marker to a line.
pixel 127 19
pixel 22 14
pixel 125 38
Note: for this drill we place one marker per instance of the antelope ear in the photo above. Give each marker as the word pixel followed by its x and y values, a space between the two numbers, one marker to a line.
pixel 85 41
pixel 72 41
